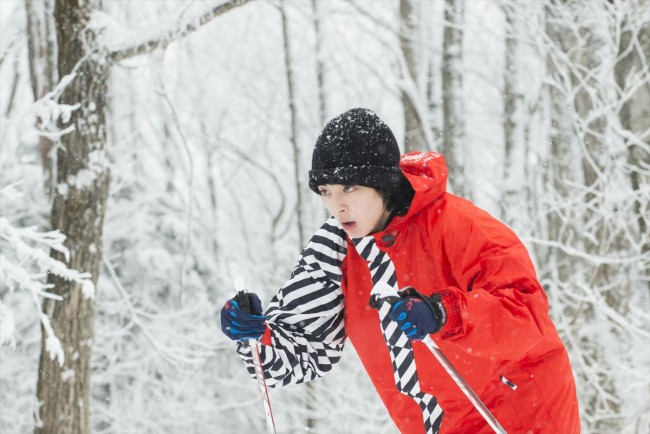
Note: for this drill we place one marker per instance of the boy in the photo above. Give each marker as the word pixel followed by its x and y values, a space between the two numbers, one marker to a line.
pixel 465 279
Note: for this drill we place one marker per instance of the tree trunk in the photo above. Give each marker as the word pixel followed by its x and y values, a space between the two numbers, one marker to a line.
pixel 432 83
pixel 320 66
pixel 310 399
pixel 510 108
pixel 41 45
pixel 78 211
pixel 320 76
pixel 294 130
pixel 452 98
pixel 414 137
pixel 634 55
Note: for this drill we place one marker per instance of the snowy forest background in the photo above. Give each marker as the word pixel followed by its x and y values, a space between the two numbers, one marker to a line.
pixel 153 151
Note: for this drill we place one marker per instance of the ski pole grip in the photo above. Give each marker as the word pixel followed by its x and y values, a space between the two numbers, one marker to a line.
pixel 243 301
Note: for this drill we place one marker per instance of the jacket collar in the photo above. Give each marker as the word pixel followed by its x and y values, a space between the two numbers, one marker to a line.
pixel 427 174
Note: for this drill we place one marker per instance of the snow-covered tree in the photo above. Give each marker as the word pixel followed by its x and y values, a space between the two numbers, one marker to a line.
pixel 545 109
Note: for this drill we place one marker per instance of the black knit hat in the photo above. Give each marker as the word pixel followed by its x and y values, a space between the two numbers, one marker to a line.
pixel 356 148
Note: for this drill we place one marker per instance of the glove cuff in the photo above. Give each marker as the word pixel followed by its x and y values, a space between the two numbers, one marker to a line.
pixel 435 304
pixel 266 338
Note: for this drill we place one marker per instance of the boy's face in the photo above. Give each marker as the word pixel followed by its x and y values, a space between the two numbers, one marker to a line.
pixel 359 209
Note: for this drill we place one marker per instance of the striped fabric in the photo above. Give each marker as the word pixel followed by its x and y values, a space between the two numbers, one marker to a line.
pixel 306 316
pixel 306 319
pixel 401 354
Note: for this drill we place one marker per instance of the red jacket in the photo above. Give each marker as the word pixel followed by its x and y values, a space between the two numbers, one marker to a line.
pixel 497 330
pixel 497 325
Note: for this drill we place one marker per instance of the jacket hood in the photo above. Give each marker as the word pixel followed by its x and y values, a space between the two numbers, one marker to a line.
pixel 427 174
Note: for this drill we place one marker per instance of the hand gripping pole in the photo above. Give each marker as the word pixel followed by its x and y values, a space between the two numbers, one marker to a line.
pixel 242 299
pixel 383 291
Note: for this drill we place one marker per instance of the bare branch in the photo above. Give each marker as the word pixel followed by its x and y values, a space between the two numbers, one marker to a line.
pixel 176 33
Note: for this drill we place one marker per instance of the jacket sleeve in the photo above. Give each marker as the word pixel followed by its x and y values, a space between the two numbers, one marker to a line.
pixel 305 319
pixel 497 307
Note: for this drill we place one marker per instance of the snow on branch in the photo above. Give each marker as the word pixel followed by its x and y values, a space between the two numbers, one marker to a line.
pixel 48 112
pixel 29 248
pixel 142 45
pixel 7 326
pixel 590 257
pixel 52 343
pixel 24 264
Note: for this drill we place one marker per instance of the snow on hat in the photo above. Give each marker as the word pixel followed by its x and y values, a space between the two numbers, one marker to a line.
pixel 356 148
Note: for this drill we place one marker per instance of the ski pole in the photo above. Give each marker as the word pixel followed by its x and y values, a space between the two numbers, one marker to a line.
pixel 384 291
pixel 242 300
pixel 261 385
pixel 462 384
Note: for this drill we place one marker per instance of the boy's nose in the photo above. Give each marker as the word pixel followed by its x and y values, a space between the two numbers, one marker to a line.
pixel 341 207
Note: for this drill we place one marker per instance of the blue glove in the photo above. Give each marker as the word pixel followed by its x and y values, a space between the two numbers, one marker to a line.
pixel 242 318
pixel 418 315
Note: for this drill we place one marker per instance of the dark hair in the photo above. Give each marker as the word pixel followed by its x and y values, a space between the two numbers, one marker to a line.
pixel 398 201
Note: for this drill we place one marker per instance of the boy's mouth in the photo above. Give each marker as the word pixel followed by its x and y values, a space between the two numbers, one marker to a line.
pixel 348 225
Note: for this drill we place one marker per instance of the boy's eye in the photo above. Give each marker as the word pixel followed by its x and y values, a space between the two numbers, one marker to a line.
pixel 322 192
pixel 348 188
